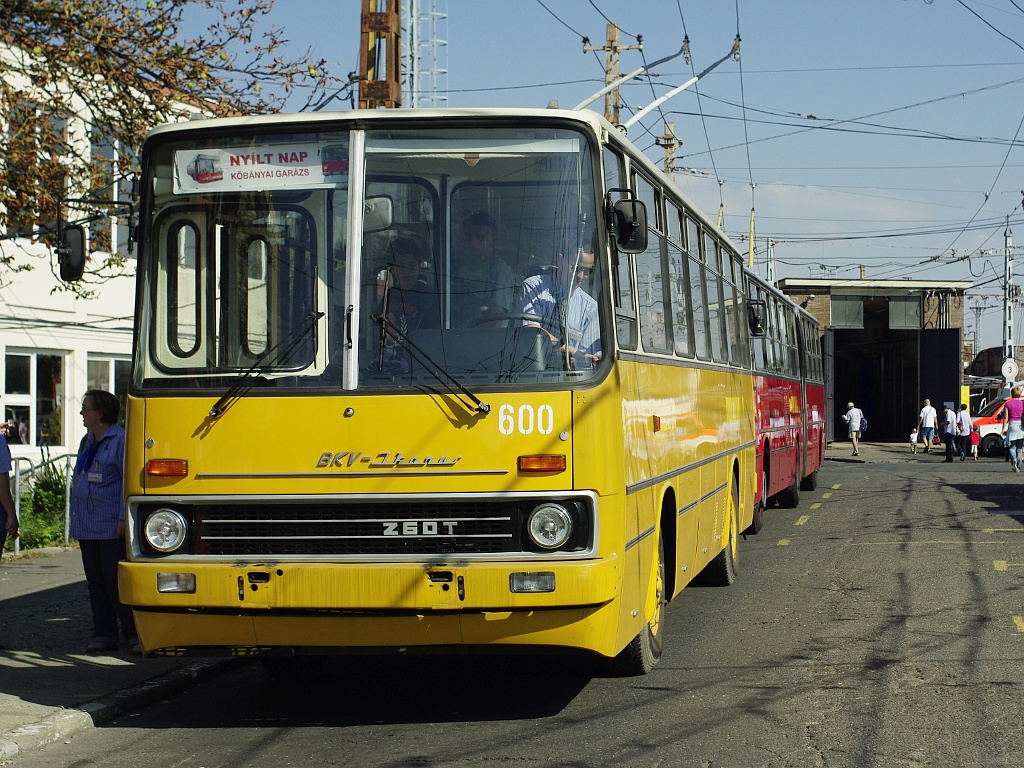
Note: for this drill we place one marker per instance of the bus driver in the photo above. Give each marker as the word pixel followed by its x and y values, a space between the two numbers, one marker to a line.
pixel 560 291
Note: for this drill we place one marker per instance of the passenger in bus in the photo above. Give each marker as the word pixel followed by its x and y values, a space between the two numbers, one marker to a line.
pixel 483 286
pixel 558 293
pixel 404 299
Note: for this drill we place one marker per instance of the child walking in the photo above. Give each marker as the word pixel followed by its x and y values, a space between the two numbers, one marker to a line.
pixel 975 442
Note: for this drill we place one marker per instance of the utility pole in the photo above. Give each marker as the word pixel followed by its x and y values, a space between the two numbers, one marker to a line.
pixel 1009 364
pixel 669 141
pixel 380 52
pixel 611 69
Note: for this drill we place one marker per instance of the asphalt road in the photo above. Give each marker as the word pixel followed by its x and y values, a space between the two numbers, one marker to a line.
pixel 879 624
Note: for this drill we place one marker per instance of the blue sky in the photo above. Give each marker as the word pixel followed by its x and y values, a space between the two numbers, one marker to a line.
pixel 877 132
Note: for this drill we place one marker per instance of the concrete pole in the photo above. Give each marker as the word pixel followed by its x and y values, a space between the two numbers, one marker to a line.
pixel 1008 295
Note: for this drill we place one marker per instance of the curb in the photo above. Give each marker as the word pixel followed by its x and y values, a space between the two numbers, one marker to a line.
pixel 65 722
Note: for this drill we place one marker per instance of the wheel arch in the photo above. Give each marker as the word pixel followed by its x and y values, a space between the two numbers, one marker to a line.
pixel 667 530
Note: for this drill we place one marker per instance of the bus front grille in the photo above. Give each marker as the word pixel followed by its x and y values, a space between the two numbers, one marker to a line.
pixel 416 528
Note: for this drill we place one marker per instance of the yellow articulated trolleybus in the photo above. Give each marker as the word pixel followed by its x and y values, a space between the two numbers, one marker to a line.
pixel 414 378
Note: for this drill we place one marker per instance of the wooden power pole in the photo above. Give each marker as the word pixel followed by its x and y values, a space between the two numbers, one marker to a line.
pixel 611 70
pixel 380 52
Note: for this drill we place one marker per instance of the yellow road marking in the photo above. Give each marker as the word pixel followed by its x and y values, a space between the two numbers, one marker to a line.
pixel 1002 530
pixel 835 487
pixel 783 542
pixel 802 519
pixel 960 542
pixel 826 495
pixel 1019 621
pixel 1001 565
pixel 816 505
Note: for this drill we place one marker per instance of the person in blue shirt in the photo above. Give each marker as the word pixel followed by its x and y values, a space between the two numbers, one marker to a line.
pixel 9 526
pixel 97 520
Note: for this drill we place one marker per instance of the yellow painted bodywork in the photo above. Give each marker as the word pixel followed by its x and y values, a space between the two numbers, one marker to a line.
pixel 266 447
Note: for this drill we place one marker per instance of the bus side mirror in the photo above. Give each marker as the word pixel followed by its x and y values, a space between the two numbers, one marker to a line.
pixel 71 252
pixel 757 315
pixel 378 213
pixel 627 222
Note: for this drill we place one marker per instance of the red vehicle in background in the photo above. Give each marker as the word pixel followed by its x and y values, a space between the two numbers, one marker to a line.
pixel 989 422
pixel 789 400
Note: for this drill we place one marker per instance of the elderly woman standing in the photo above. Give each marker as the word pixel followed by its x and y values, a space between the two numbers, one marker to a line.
pixel 1013 431
pixel 97 520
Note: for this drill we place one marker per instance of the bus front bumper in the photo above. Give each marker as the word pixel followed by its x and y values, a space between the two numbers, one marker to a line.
pixel 393 605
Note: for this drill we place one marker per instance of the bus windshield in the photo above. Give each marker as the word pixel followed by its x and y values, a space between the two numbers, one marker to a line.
pixel 381 259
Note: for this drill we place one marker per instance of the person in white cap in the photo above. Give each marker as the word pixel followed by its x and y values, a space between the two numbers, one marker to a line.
pixel 852 418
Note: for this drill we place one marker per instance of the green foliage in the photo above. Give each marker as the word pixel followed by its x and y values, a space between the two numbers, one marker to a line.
pixel 42 510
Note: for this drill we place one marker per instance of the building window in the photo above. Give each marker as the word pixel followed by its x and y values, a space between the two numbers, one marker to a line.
pixel 847 312
pixel 112 375
pixel 34 398
pixel 905 312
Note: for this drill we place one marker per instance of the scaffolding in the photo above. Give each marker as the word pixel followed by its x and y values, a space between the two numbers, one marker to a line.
pixel 425 57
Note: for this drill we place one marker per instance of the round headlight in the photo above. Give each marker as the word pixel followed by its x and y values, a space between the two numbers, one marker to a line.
pixel 165 530
pixel 550 526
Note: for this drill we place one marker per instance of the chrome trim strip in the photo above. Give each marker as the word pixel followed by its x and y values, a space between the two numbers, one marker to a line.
pixel 688 507
pixel 713 491
pixel 643 484
pixel 637 539
pixel 381 473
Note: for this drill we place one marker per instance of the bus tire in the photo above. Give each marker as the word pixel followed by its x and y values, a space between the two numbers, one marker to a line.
pixel 810 482
pixel 757 522
pixel 643 652
pixel 722 571
pixel 790 497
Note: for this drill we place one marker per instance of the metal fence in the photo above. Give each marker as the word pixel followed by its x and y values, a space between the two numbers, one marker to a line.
pixel 23 477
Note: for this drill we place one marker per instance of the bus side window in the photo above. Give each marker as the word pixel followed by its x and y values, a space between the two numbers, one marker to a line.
pixel 650 283
pixel 625 306
pixel 679 295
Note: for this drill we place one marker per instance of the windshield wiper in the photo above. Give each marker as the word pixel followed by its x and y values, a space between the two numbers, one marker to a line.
pixel 248 380
pixel 452 384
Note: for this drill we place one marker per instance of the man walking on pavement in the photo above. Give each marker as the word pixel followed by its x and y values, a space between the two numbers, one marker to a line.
pixel 964 425
pixel 852 418
pixel 948 430
pixel 926 424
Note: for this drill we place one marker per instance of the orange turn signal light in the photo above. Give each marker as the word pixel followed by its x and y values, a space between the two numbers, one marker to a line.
pixel 167 467
pixel 542 462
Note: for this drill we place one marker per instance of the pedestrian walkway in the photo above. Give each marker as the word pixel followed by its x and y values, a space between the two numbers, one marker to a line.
pixel 886 453
pixel 49 686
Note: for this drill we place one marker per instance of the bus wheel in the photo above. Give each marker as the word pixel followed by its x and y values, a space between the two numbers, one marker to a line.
pixel 644 651
pixel 721 572
pixel 790 497
pixel 293 669
pixel 810 482
pixel 757 523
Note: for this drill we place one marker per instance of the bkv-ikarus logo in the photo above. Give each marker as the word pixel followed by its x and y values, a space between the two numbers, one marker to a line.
pixel 385 460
